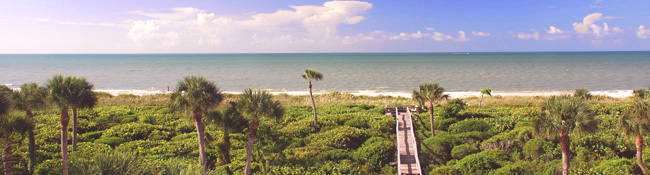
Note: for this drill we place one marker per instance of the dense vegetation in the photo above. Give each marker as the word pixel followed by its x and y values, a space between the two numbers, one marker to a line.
pixel 142 135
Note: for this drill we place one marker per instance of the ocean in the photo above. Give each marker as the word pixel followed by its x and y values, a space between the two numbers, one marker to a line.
pixel 343 72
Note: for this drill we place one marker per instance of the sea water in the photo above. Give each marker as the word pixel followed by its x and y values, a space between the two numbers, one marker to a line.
pixel 344 72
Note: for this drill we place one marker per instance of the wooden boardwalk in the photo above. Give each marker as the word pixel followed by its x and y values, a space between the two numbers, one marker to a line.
pixel 407 160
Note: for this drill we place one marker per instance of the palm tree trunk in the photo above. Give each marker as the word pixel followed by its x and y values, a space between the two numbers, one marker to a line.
pixel 313 105
pixel 65 119
pixel 480 102
pixel 639 152
pixel 74 129
pixel 249 148
pixel 200 129
pixel 226 147
pixel 433 131
pixel 32 144
pixel 6 158
pixel 564 144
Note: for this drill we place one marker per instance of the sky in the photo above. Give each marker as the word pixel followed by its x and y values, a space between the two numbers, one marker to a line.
pixel 282 26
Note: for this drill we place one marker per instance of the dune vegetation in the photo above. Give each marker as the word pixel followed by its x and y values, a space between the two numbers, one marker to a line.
pixel 184 133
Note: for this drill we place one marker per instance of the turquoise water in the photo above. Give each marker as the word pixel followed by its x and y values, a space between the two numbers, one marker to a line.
pixel 382 72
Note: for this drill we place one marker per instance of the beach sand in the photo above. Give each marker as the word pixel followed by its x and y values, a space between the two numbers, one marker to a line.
pixel 611 93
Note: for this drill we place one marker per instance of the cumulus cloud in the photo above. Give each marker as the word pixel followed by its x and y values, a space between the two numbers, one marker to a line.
pixel 461 36
pixel 554 33
pixel 437 36
pixel 300 26
pixel 407 36
pixel 588 26
pixel 642 32
pixel 527 36
pixel 481 34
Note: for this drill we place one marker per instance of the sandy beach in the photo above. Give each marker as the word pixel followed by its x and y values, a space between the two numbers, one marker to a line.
pixel 610 93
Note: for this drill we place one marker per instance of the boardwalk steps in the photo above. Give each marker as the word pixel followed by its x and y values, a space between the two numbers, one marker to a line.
pixel 407 159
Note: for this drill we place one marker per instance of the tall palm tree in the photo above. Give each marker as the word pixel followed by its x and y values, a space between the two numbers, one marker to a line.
pixel 484 91
pixel 197 94
pixel 228 120
pixel 635 121
pixel 430 93
pixel 29 98
pixel 564 115
pixel 11 126
pixel 256 104
pixel 61 95
pixel 82 96
pixel 5 100
pixel 311 74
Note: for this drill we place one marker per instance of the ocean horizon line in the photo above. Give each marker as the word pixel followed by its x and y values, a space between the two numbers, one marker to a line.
pixel 257 53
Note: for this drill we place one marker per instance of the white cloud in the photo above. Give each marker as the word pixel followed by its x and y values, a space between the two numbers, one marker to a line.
pixel 554 33
pixel 430 29
pixel 406 36
pixel 589 26
pixel 481 34
pixel 642 32
pixel 527 36
pixel 554 30
pixel 441 37
pixel 298 27
pixel 461 36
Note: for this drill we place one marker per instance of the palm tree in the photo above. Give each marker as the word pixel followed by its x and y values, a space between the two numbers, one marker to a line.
pixel 311 74
pixel 82 96
pixel 30 97
pixel 635 121
pixel 641 93
pixel 484 91
pixel 256 104
pixel 60 94
pixel 10 127
pixel 227 120
pixel 430 93
pixel 564 115
pixel 5 101
pixel 197 94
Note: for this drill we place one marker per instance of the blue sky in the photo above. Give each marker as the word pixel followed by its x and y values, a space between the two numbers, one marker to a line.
pixel 322 26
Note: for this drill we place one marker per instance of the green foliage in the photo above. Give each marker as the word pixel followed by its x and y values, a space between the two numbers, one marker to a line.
pixel 112 141
pixel 533 149
pixel 482 163
pixel 109 162
pixel 486 91
pixel 582 93
pixel 344 137
pixel 132 131
pixel 443 124
pixel 460 151
pixel 452 108
pixel 357 123
pixel 617 166
pixel 468 126
pixel 641 93
pixel 377 151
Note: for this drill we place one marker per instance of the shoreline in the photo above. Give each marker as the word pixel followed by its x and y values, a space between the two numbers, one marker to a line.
pixel 462 94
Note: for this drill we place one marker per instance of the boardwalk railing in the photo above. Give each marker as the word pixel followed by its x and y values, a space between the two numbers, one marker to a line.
pixel 411 143
pixel 399 161
pixel 415 142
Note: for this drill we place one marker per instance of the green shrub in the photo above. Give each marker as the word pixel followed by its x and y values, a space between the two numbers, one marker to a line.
pixel 445 170
pixel 582 93
pixel 112 141
pixel 443 124
pixel 377 151
pixel 469 125
pixel 437 150
pixel 618 166
pixel 131 131
pixel 357 123
pixel 519 167
pixel 93 135
pixel 460 151
pixel 533 149
pixel 482 163
pixel 452 108
pixel 344 137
